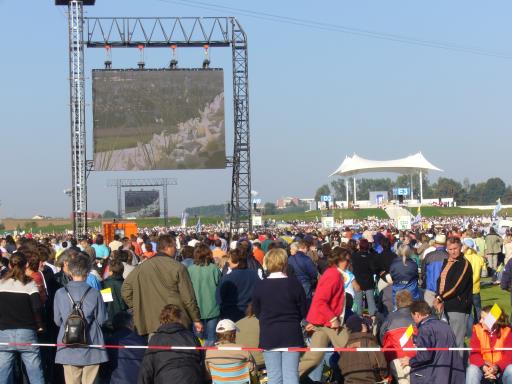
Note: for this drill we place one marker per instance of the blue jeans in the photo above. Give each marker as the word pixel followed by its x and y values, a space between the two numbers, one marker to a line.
pixel 282 367
pixel 474 375
pixel 316 374
pixel 29 355
pixel 370 299
pixel 474 316
pixel 208 333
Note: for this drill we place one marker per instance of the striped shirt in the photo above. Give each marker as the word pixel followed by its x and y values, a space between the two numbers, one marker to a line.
pixel 24 305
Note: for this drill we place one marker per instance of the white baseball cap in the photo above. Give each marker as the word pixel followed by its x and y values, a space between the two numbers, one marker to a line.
pixel 225 325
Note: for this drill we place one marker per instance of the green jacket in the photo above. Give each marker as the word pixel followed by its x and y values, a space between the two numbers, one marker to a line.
pixel 205 279
pixel 493 243
pixel 118 305
pixel 152 285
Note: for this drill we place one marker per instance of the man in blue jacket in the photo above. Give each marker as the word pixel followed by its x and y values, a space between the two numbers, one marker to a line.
pixel 304 268
pixel 431 268
pixel 439 367
pixel 124 363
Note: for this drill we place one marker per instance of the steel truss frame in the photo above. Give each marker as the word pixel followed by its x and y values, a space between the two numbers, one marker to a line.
pixel 77 116
pixel 130 183
pixel 159 32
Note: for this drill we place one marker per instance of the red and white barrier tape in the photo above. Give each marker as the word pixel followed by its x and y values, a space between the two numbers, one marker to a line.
pixel 231 348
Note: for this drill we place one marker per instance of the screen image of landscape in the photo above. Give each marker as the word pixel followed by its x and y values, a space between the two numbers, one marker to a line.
pixel 142 203
pixel 158 119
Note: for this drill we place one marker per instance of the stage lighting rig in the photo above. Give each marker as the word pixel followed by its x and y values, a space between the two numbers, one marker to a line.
pixel 108 57
pixel 141 64
pixel 174 61
pixel 206 61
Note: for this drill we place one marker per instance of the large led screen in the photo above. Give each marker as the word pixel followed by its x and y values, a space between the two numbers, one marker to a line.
pixel 158 119
pixel 142 203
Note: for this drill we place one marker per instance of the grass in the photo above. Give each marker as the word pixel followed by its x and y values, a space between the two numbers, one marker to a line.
pixel 449 211
pixel 491 294
pixel 339 214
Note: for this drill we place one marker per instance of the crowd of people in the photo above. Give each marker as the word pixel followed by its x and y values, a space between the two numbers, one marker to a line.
pixel 273 292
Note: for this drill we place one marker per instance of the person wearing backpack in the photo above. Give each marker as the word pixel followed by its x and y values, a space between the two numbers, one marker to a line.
pixel 79 311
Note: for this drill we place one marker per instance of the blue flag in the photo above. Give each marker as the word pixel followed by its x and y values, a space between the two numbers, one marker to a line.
pixel 184 217
pixel 497 209
pixel 198 225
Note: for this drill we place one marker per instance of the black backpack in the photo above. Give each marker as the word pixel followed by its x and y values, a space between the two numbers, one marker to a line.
pixel 76 325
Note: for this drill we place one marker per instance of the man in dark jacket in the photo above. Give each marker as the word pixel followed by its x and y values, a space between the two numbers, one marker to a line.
pixel 382 267
pixel 439 367
pixel 363 264
pixel 454 296
pixel 303 267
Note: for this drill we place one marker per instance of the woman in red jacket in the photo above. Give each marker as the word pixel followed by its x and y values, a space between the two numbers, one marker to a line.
pixel 485 361
pixel 325 316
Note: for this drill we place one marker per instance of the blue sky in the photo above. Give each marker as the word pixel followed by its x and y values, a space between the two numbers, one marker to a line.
pixel 315 95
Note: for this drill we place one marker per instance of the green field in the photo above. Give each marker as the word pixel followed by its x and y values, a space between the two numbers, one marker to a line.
pixel 452 211
pixel 339 214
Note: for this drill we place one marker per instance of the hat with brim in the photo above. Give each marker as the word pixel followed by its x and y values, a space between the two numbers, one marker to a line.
pixel 440 239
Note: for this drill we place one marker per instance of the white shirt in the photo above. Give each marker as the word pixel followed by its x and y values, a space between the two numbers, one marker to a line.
pixel 277 275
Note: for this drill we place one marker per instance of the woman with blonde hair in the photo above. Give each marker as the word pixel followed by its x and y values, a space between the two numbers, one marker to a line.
pixel 279 302
pixel 404 273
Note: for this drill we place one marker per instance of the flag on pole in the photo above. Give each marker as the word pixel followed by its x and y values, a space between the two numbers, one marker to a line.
pixel 407 335
pixel 497 209
pixel 418 217
pixel 493 316
pixel 184 217
pixel 198 225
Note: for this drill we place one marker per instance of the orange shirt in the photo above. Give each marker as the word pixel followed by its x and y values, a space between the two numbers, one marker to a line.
pixel 258 255
pixel 148 255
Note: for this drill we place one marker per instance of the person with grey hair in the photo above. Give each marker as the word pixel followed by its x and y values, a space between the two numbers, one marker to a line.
pixel 81 365
pixel 404 273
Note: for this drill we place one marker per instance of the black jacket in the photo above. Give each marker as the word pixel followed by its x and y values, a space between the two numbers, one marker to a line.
pixel 178 366
pixel 363 264
pixel 458 289
pixel 383 262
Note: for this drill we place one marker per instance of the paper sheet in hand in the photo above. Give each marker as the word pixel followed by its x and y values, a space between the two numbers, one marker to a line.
pixel 107 295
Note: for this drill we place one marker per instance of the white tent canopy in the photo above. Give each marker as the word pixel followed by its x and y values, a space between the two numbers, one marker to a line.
pixel 409 165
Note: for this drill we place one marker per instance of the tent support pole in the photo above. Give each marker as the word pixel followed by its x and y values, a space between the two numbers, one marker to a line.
pixel 346 189
pixel 421 187
pixel 355 190
pixel 412 188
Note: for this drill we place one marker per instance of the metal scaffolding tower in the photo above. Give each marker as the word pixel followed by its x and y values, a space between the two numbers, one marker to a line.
pixel 129 183
pixel 77 114
pixel 159 32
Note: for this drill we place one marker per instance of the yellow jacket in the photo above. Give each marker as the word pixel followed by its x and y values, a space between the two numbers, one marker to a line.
pixel 477 263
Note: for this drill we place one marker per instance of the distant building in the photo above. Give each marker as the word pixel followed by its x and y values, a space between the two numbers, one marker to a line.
pixel 287 201
pixel 90 215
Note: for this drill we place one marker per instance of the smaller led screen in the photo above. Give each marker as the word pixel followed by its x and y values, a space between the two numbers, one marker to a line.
pixel 142 203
